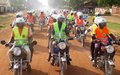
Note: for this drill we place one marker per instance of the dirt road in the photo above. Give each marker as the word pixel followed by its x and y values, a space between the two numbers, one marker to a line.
pixel 81 64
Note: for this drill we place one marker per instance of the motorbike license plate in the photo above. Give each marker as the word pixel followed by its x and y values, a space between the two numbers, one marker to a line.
pixel 63 59
pixel 82 34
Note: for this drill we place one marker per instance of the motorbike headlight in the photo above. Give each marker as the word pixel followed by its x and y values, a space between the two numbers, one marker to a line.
pixel 17 51
pixel 62 45
pixel 82 28
pixel 110 49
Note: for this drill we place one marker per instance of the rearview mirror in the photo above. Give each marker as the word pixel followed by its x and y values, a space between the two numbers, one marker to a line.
pixel 34 42
pixel 11 25
pixel 3 42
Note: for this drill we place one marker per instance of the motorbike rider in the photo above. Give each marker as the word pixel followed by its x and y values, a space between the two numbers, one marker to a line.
pixel 79 21
pixel 103 34
pixel 42 16
pixel 20 35
pixel 70 21
pixel 91 29
pixel 50 22
pixel 59 27
pixel 70 16
pixel 75 15
pixel 30 20
pixel 97 14
pixel 50 27
pixel 30 17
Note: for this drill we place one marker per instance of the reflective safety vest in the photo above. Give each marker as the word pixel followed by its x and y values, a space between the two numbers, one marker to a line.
pixel 102 34
pixel 93 28
pixel 30 18
pixel 79 22
pixel 20 39
pixel 42 16
pixel 70 17
pixel 59 33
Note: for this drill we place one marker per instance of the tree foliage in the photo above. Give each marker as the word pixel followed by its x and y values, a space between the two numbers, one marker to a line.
pixel 102 3
pixel 108 3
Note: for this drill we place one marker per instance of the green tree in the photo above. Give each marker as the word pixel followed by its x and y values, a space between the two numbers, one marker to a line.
pixel 108 3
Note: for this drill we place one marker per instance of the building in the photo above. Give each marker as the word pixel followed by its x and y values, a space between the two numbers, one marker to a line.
pixel 4 5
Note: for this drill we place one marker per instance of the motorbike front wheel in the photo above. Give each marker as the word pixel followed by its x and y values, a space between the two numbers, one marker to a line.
pixel 15 72
pixel 83 41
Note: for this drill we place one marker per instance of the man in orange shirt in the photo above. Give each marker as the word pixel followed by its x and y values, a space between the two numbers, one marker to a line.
pixel 42 16
pixel 41 20
pixel 30 17
pixel 30 20
pixel 102 34
pixel 79 22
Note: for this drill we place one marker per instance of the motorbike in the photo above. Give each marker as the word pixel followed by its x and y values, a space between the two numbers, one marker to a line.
pixel 80 34
pixel 41 23
pixel 49 36
pixel 19 62
pixel 60 56
pixel 70 27
pixel 31 25
pixel 103 60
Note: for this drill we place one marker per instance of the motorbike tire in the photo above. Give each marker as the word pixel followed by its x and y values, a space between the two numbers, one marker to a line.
pixel 15 72
pixel 110 70
pixel 28 68
pixel 83 41
pixel 63 68
pixel 106 68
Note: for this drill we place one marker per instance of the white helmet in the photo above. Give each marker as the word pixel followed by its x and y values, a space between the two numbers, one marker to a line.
pixel 19 14
pixel 60 16
pixel 42 11
pixel 96 20
pixel 79 14
pixel 97 13
pixel 20 20
pixel 75 12
pixel 101 21
pixel 71 12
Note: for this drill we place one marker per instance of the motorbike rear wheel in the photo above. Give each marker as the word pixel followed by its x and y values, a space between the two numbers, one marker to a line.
pixel 83 41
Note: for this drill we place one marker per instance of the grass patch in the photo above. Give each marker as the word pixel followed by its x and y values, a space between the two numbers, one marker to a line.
pixel 2 18
pixel 114 26
pixel 3 26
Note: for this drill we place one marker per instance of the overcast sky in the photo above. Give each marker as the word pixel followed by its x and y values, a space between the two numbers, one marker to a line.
pixel 45 2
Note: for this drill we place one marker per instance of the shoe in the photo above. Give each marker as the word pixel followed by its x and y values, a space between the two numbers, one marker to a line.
pixel 111 62
pixel 68 63
pixel 94 64
pixel 70 59
pixel 91 59
pixel 52 63
pixel 47 34
pixel 10 66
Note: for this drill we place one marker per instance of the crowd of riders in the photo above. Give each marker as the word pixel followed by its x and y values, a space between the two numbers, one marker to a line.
pixel 62 25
